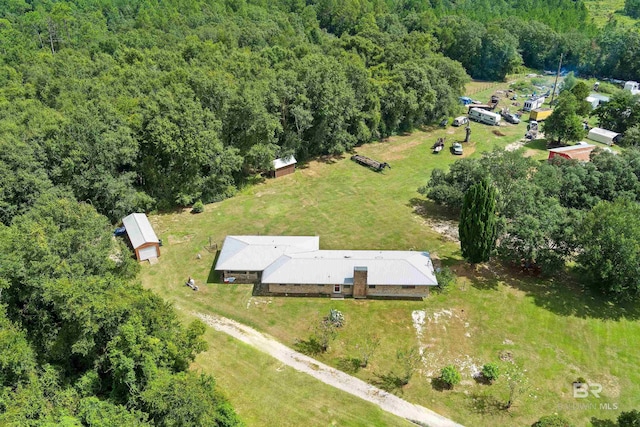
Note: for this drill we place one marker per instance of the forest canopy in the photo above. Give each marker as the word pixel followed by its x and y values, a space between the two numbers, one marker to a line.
pixel 137 105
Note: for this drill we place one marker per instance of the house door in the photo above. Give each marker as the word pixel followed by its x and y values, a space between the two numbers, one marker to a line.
pixel 337 289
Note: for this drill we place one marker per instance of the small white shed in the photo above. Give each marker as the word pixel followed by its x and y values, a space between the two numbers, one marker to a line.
pixel 604 136
pixel 142 237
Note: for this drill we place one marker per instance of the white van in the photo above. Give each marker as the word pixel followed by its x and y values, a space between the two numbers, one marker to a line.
pixel 459 121
pixel 484 116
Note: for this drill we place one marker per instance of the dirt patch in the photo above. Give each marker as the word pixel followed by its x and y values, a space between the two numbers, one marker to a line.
pixel 433 329
pixel 515 145
pixel 498 133
pixel 506 356
pixel 447 228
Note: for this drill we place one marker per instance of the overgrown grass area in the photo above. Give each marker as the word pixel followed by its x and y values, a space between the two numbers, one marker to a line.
pixel 554 330
pixel 603 10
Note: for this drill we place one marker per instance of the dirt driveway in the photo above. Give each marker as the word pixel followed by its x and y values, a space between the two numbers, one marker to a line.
pixel 328 375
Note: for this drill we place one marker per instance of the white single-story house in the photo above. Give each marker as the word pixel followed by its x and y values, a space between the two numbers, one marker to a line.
pixel 142 237
pixel 604 136
pixel 294 265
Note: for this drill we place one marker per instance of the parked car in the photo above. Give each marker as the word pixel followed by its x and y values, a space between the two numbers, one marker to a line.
pixel 511 118
pixel 459 121
pixel 456 148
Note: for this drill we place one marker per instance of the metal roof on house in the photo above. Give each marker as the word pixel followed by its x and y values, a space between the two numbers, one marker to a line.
pixel 284 162
pixel 603 132
pixel 255 253
pixel 577 147
pixel 139 229
pixel 336 267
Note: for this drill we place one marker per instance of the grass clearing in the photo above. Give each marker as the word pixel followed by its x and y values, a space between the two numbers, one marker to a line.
pixel 555 330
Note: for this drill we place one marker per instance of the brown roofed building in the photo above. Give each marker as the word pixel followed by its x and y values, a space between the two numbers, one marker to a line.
pixel 580 151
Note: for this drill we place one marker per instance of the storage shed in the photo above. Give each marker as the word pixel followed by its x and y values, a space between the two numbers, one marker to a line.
pixel 604 136
pixel 142 237
pixel 284 166
pixel 576 152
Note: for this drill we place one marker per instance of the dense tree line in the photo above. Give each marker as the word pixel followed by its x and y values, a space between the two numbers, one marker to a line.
pixel 80 342
pixel 558 211
pixel 136 105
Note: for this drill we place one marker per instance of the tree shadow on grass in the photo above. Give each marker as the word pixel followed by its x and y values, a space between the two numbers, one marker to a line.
pixel 214 276
pixel 438 384
pixel 485 404
pixel 431 211
pixel 564 294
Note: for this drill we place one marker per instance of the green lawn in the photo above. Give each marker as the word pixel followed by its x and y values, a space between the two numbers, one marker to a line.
pixel 553 329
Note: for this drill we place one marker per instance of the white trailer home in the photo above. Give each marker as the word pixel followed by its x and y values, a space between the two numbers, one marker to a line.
pixel 533 103
pixel 632 87
pixel 484 116
pixel 604 136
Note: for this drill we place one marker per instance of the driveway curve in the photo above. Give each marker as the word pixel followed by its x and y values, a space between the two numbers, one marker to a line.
pixel 328 375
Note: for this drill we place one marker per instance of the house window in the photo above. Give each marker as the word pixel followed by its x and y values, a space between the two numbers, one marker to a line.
pixel 372 286
pixel 408 287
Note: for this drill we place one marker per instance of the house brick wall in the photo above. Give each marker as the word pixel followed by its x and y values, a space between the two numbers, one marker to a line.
pixel 242 276
pixel 397 291
pixel 347 290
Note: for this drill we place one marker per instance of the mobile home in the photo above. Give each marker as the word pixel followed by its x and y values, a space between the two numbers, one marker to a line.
pixel 484 116
pixel 533 103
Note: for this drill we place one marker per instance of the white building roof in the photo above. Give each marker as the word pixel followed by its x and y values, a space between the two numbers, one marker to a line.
pixel 139 229
pixel 336 267
pixel 578 146
pixel 281 163
pixel 603 132
pixel 255 253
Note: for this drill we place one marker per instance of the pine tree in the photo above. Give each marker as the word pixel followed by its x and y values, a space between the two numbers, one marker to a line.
pixel 478 223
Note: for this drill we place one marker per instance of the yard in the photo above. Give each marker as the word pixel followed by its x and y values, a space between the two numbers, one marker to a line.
pixel 554 330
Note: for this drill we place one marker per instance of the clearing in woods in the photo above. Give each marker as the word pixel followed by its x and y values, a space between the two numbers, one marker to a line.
pixel 555 330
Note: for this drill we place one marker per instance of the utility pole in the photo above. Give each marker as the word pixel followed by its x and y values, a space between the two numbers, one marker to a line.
pixel 555 84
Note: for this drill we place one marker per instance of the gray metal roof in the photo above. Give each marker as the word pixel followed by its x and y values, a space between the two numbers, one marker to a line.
pixel 336 267
pixel 139 229
pixel 255 253
pixel 604 132
pixel 284 162
pixel 571 148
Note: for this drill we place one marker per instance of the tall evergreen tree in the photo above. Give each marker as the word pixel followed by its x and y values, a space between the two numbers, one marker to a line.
pixel 478 222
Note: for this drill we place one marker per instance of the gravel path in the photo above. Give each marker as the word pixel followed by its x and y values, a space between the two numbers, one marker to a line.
pixel 328 375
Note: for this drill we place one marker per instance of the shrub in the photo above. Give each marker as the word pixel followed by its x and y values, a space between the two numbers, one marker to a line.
pixel 350 365
pixel 336 318
pixel 445 277
pixel 198 207
pixel 450 376
pixel 490 372
pixel 629 419
pixel 552 421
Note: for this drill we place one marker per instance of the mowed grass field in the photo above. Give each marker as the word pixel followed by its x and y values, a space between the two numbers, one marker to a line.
pixel 552 329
